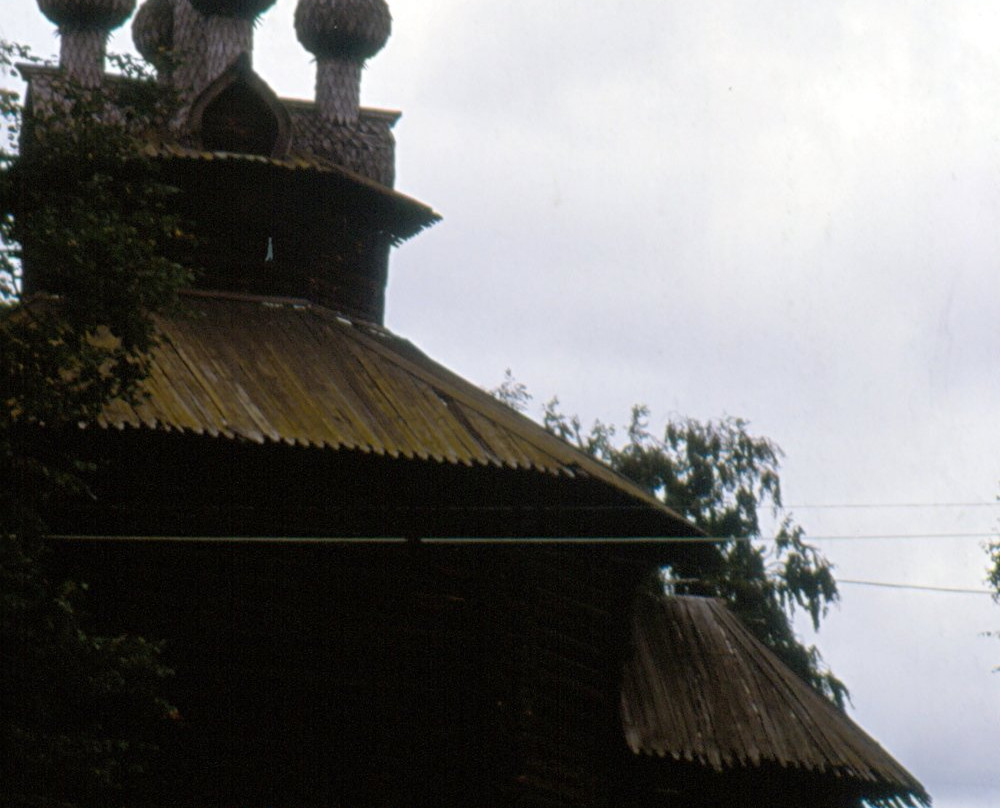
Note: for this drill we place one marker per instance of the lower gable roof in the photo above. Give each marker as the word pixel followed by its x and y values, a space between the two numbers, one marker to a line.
pixel 701 689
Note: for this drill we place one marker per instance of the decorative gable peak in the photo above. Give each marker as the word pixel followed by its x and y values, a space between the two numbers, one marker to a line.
pixel 239 113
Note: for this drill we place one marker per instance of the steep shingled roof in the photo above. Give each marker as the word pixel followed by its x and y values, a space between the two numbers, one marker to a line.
pixel 286 371
pixel 701 688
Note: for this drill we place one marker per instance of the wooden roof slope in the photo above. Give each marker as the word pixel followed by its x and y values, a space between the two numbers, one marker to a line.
pixel 288 371
pixel 701 688
pixel 400 215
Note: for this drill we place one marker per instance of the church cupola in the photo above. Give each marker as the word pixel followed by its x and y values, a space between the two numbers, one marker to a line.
pixel 193 42
pixel 342 35
pixel 282 197
pixel 84 28
pixel 153 34
pixel 227 31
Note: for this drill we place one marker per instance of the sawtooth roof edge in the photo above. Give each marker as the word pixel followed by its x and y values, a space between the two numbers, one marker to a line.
pixel 701 688
pixel 283 370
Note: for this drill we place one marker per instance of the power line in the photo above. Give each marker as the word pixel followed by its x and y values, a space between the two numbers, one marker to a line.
pixel 442 540
pixel 808 537
pixel 871 505
pixel 481 541
pixel 916 587
pixel 486 540
pixel 901 536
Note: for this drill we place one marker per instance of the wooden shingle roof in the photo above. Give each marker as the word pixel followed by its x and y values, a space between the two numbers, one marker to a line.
pixel 282 371
pixel 701 688
pixel 400 215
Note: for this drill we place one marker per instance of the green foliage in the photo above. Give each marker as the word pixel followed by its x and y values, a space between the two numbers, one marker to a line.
pixel 993 579
pixel 91 220
pixel 80 714
pixel 722 477
pixel 511 392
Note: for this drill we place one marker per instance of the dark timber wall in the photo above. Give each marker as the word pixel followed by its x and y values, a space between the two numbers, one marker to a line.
pixel 378 675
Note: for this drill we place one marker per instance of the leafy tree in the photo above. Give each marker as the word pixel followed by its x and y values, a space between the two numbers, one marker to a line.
pixel 721 477
pixel 80 714
pixel 512 392
pixel 993 579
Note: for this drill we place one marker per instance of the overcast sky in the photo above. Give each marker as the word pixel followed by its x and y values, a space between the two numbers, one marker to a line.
pixel 781 210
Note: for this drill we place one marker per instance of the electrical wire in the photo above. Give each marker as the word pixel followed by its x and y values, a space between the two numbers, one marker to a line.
pixel 873 505
pixel 916 587
pixel 485 540
pixel 904 536
pixel 501 541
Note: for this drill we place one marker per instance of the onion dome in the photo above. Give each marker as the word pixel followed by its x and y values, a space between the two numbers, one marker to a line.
pixel 99 14
pixel 245 9
pixel 87 14
pixel 84 26
pixel 344 29
pixel 153 29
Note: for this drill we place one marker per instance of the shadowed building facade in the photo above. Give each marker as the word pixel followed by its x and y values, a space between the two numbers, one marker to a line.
pixel 378 585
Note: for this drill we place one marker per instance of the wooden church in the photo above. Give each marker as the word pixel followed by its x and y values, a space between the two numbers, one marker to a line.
pixel 379 586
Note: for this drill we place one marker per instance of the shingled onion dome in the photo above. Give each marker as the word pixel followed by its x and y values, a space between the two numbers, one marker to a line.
pixel 153 32
pixel 84 28
pixel 341 34
pixel 243 9
pixel 229 29
pixel 209 36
